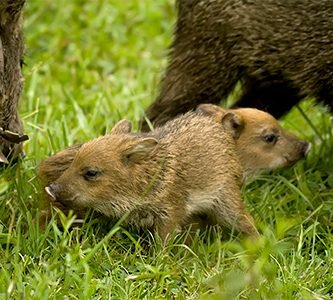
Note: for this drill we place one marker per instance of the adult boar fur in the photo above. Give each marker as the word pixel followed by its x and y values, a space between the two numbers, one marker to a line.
pixel 11 81
pixel 281 51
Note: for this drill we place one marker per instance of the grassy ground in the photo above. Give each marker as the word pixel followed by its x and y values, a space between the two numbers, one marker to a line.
pixel 91 63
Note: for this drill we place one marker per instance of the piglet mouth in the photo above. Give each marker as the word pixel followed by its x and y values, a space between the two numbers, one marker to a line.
pixel 290 161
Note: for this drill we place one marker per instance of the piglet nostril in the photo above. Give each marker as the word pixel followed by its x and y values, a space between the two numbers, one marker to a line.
pixel 50 191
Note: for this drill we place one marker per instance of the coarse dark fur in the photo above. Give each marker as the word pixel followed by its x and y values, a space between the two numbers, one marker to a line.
pixel 281 51
pixel 11 81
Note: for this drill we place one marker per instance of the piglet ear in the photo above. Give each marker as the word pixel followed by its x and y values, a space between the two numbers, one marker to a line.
pixel 123 126
pixel 210 109
pixel 233 123
pixel 140 150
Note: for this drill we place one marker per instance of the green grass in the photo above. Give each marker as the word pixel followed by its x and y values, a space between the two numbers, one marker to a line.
pixel 91 63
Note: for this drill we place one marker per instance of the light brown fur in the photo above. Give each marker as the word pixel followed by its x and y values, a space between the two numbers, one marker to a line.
pixel 261 143
pixel 249 133
pixel 161 179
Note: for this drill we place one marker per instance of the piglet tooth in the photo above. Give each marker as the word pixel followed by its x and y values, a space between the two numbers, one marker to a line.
pixel 49 192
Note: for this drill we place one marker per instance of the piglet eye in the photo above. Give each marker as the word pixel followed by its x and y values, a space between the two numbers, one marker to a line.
pixel 270 138
pixel 91 174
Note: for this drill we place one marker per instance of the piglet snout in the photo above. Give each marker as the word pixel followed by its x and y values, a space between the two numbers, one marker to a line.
pixel 306 147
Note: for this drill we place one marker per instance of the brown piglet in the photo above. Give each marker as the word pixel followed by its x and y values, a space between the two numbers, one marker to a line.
pixel 261 143
pixel 160 179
